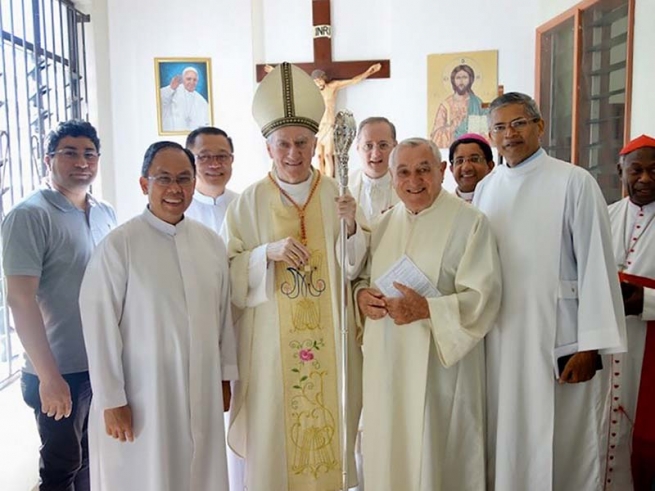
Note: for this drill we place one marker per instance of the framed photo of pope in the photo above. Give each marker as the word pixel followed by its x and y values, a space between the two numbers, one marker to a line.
pixel 184 100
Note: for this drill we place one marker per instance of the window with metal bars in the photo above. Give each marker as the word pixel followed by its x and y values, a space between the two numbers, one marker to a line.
pixel 42 81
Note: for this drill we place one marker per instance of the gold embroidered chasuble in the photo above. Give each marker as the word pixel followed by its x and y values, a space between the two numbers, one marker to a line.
pixel 308 354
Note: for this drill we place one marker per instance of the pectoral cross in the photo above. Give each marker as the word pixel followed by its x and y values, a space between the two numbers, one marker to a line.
pixel 335 70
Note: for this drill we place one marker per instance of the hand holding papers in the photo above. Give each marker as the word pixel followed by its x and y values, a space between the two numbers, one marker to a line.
pixel 402 294
pixel 405 272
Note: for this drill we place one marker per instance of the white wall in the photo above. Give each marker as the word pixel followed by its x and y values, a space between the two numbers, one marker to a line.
pixel 643 96
pixel 137 32
pixel 238 34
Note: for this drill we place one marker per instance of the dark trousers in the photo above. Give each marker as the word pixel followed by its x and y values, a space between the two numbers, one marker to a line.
pixel 64 462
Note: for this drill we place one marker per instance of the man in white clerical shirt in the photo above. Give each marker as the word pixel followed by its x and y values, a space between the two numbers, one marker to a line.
pixel 214 153
pixel 371 184
pixel 283 235
pixel 424 373
pixel 155 308
pixel 183 108
pixel 561 305
pixel 470 160
pixel 630 402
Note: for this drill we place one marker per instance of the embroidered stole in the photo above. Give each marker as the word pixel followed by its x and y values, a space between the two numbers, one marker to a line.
pixel 308 354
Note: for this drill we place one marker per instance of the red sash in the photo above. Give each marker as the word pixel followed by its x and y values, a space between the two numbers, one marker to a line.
pixel 643 435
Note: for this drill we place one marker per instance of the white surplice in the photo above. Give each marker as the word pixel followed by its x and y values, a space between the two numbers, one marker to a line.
pixel 155 306
pixel 629 222
pixel 257 417
pixel 374 196
pixel 424 382
pixel 210 211
pixel 560 286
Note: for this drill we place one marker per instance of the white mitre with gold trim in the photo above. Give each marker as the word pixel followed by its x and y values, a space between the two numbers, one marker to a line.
pixel 287 97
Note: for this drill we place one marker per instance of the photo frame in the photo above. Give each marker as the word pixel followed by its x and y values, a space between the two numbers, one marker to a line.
pixel 184 97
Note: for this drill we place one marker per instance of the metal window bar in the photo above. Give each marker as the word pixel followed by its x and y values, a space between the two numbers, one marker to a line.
pixel 43 80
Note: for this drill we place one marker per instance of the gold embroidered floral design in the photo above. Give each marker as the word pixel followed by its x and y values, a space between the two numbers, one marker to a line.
pixel 313 428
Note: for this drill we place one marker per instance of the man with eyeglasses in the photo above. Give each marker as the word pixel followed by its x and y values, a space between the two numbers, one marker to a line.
pixel 214 153
pixel 561 306
pixel 371 184
pixel 155 307
pixel 47 241
pixel 471 160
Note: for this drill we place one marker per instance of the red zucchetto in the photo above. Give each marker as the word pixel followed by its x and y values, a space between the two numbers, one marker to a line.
pixel 637 143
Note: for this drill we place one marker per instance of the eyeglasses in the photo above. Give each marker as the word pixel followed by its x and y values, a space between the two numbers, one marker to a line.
pixel 517 124
pixel 74 156
pixel 474 159
pixel 221 158
pixel 166 180
pixel 382 146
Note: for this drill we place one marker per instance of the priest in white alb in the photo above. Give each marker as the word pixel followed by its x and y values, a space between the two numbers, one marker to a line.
pixel 561 307
pixel 282 235
pixel 214 153
pixel 155 307
pixel 424 369
pixel 630 390
pixel 371 183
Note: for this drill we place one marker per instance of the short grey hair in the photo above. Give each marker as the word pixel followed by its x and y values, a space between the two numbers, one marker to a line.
pixel 413 143
pixel 528 103
pixel 375 120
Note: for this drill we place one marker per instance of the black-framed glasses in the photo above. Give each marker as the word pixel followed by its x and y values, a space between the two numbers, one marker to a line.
pixel 166 180
pixel 221 158
pixel 517 124
pixel 74 155
pixel 474 159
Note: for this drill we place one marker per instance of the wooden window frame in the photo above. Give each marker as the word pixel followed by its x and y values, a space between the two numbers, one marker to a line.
pixel 575 12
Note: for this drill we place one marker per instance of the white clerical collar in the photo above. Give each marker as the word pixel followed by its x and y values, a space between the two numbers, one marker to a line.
pixel 465 196
pixel 161 225
pixel 435 203
pixel 380 182
pixel 525 167
pixel 208 200
pixel 299 192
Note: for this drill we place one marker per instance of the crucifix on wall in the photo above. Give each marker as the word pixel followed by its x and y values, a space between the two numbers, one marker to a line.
pixel 331 76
